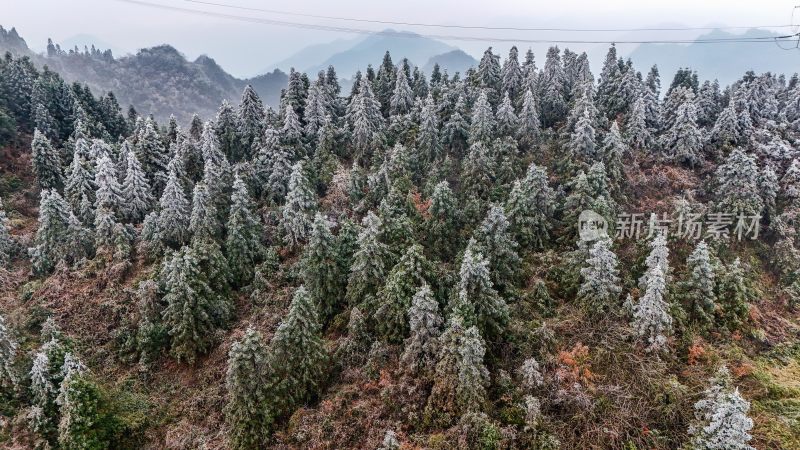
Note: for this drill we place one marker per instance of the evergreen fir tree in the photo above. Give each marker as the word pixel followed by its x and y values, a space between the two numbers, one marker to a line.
pixel 369 261
pixel 153 156
pixel 136 194
pixel 530 207
pixel 477 302
pixel 80 188
pixel 683 140
pixel 428 143
pixel 249 411
pixel 321 270
pixel 494 241
pixel 614 149
pixel 8 354
pixel 296 215
pixel 460 378
pixel 243 244
pixel 511 75
pixel 651 318
pixel 173 218
pixel 367 122
pixel 402 98
pixel 251 122
pixel 57 234
pixel 193 312
pixel 394 299
pixel 46 163
pixel 530 129
pixel 600 288
pixel 737 181
pixel 443 221
pixel 637 133
pixel 297 352
pixel 552 85
pixel 455 132
pixel 84 421
pixel 109 191
pixel 7 244
pixel 582 139
pixel 424 321
pixel 507 122
pixel 204 221
pixel 699 288
pixel 226 129
pixel 734 295
pixel 722 417
pixel 483 123
pixel 489 75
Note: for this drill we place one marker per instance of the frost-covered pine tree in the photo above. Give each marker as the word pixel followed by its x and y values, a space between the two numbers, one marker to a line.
pixel 153 156
pixel 57 232
pixel 581 141
pixel 443 221
pixel 737 184
pixel 506 119
pixel 46 162
pixel 722 418
pixel 489 75
pixel 477 301
pixel 194 312
pixel 367 121
pixel 297 213
pixel 552 88
pixel 790 183
pixel 394 299
pixel 651 318
pixel 217 173
pixel 249 411
pixel 455 132
pixel 495 242
pixel 251 122
pixel 600 287
pixel 280 174
pixel 530 126
pixel 424 321
pixel 136 192
pixel 369 262
pixel 726 129
pixel 297 350
pixel 683 140
pixel 657 258
pixel 511 75
pixel 173 217
pixel 243 243
pixel 483 124
pixel 320 270
pixel 768 188
pixel 460 378
pixel 637 132
pixel 428 142
pixel 109 191
pixel 7 244
pixel 530 375
pixel 204 221
pixel 292 130
pixel 614 149
pixel 530 207
pixel 8 355
pixel 402 98
pixel 700 287
pixel 734 295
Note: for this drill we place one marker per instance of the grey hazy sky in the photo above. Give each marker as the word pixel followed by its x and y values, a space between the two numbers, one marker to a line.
pixel 246 48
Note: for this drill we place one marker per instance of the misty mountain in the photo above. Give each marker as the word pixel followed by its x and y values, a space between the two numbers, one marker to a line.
pixel 418 49
pixel 312 55
pixel 453 61
pixel 157 80
pixel 723 61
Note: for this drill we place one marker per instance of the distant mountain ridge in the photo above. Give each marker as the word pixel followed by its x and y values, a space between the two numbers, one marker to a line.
pixel 157 80
pixel 453 61
pixel 723 61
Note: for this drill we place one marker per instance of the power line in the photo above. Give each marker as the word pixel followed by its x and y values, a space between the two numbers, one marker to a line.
pixel 470 27
pixel 264 21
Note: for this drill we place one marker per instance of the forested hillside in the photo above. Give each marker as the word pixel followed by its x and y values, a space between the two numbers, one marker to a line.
pixel 512 257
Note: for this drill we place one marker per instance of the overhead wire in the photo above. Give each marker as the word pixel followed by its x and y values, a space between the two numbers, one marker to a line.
pixel 351 30
pixel 467 27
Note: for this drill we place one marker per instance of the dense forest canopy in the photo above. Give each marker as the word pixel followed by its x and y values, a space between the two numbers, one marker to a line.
pixel 404 264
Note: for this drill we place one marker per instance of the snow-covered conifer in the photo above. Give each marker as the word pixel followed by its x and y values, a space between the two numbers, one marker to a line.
pixel 600 288
pixel 136 194
pixel 651 318
pixel 737 181
pixel 483 123
pixel 683 140
pixel 46 162
pixel 394 299
pixel 424 321
pixel 700 287
pixel 637 133
pixel 722 418
pixel 8 354
pixel 402 98
pixel 494 241
pixel 506 119
pixel 7 244
pixel 477 302
pixel 251 122
pixel 511 75
pixel 614 149
pixel 529 208
pixel 249 411
pixel 530 129
pixel 297 213
pixel 173 217
pixel 582 140
pixel 243 244
pixel 369 262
